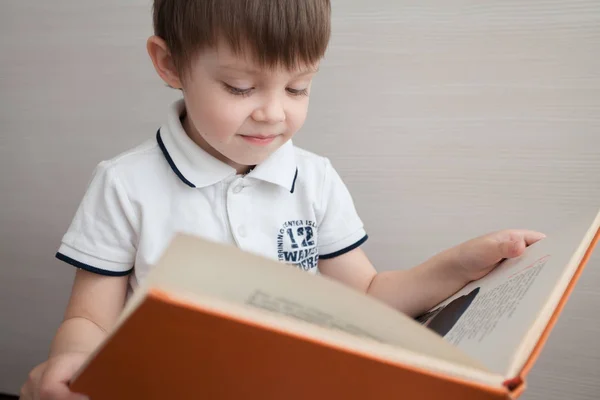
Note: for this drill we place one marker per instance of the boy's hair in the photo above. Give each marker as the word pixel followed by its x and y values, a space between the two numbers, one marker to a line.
pixel 274 32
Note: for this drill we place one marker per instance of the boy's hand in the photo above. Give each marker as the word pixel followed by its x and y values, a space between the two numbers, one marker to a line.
pixel 477 257
pixel 48 381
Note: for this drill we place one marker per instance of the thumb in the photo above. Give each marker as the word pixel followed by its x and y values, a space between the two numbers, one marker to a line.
pixel 513 243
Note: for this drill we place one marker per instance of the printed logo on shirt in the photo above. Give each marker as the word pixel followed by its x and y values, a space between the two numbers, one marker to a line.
pixel 297 244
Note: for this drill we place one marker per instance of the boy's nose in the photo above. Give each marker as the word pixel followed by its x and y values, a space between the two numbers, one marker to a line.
pixel 270 111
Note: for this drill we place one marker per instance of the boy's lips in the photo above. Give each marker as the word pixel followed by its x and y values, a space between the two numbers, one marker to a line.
pixel 259 139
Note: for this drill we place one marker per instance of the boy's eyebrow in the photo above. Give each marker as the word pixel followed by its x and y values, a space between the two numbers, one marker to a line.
pixel 308 71
pixel 255 71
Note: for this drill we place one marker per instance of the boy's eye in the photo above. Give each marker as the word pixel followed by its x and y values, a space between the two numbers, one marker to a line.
pixel 297 92
pixel 237 91
pixel 245 92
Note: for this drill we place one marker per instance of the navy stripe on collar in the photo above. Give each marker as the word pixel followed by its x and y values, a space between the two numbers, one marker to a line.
pixel 294 182
pixel 170 161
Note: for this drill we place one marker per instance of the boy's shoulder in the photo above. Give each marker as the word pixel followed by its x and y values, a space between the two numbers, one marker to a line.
pixel 138 156
pixel 139 165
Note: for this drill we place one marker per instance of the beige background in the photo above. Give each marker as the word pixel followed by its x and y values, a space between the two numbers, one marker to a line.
pixel 440 115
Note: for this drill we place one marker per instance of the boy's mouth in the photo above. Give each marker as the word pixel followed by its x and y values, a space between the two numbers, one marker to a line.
pixel 259 139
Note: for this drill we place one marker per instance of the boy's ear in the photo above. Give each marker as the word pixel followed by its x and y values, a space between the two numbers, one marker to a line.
pixel 163 62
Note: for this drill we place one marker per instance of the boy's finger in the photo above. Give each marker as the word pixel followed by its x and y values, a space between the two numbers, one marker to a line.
pixel 511 248
pixel 513 243
pixel 531 237
pixel 528 236
pixel 54 382
pixel 60 391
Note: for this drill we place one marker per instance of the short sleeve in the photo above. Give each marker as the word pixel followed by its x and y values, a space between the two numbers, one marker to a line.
pixel 340 229
pixel 103 234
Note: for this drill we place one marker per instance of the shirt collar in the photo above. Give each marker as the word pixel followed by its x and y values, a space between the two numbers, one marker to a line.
pixel 280 168
pixel 196 168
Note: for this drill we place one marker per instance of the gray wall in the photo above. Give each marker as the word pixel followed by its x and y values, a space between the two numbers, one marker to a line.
pixel 440 116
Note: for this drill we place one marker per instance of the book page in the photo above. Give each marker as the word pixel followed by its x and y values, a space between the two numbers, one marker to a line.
pixel 194 265
pixel 492 318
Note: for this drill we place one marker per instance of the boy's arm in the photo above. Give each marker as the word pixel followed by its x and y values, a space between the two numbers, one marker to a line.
pixel 419 289
pixel 95 304
pixel 412 291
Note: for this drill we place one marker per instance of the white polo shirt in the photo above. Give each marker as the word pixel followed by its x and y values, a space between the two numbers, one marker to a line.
pixel 293 207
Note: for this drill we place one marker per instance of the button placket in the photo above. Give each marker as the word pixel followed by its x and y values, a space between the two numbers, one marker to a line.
pixel 237 219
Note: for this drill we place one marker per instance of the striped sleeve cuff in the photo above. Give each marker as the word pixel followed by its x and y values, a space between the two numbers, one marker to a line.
pixel 343 246
pixel 90 263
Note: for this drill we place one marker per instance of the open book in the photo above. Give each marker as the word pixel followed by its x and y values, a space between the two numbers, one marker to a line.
pixel 214 322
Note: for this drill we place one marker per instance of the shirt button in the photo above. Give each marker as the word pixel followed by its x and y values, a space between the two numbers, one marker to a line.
pixel 242 231
pixel 237 189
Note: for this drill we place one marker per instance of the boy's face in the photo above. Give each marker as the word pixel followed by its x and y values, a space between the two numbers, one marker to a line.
pixel 239 112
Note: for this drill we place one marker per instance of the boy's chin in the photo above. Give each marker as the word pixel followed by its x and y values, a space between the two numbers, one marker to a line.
pixel 251 158
pixel 250 161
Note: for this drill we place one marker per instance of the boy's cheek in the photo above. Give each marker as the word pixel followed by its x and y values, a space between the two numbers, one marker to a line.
pixel 209 111
pixel 297 119
pixel 227 118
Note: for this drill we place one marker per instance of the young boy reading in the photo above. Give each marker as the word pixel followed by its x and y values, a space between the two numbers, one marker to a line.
pixel 223 166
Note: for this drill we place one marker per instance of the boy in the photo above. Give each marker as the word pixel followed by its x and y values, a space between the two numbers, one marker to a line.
pixel 223 166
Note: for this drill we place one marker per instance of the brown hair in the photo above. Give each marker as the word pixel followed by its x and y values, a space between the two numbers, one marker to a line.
pixel 275 32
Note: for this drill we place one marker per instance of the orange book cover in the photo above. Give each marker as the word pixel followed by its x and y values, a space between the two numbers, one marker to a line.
pixel 205 355
pixel 172 348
